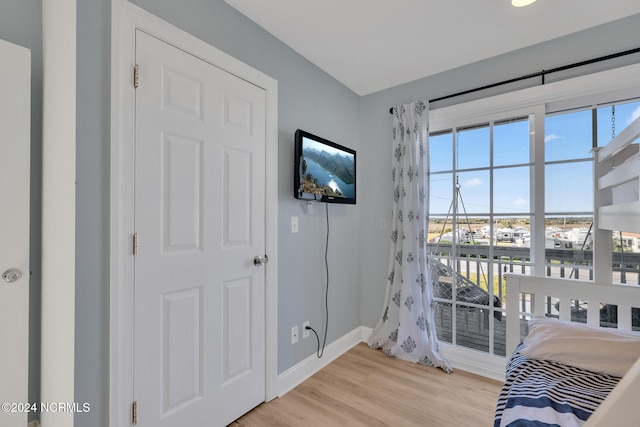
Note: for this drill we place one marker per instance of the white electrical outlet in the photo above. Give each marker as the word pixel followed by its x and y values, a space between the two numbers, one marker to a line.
pixel 294 224
pixel 305 331
pixel 294 335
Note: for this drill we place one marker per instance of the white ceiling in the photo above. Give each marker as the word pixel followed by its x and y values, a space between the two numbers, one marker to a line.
pixel 371 45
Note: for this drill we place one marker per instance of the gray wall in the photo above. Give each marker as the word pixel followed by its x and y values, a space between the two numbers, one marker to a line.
pixel 311 100
pixel 308 99
pixel 92 210
pixel 21 24
pixel 375 120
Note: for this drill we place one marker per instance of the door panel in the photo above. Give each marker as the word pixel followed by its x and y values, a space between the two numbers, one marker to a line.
pixel 182 347
pixel 238 179
pixel 15 117
pixel 181 193
pixel 200 217
pixel 236 328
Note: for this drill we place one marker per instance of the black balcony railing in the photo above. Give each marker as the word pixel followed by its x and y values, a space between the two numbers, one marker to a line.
pixel 475 270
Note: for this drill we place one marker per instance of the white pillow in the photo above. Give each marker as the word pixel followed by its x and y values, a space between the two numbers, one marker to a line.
pixel 604 350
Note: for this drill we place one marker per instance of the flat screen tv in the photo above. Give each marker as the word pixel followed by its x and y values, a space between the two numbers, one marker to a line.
pixel 323 170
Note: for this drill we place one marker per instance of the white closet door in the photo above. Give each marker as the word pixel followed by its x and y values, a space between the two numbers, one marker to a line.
pixel 200 220
pixel 15 118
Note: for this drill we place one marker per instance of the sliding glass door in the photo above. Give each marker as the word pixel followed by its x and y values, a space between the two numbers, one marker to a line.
pixel 479 225
pixel 515 193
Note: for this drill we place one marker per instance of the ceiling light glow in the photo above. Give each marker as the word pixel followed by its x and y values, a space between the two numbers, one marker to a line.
pixel 521 3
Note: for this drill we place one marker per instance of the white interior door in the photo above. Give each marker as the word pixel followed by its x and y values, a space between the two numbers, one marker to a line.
pixel 15 118
pixel 199 350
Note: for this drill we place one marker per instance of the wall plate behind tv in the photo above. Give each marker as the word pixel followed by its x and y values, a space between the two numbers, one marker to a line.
pixel 308 207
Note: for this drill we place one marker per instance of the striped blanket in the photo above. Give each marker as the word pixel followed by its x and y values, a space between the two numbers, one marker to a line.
pixel 541 393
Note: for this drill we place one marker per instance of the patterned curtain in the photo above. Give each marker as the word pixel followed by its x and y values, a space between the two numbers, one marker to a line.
pixel 406 328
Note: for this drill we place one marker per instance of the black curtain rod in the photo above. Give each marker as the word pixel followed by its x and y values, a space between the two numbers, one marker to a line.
pixel 542 74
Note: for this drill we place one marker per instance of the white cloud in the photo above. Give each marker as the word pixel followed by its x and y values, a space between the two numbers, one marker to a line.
pixel 551 137
pixel 520 201
pixel 473 182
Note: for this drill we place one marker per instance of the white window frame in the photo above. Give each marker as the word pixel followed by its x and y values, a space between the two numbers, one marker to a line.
pixel 588 90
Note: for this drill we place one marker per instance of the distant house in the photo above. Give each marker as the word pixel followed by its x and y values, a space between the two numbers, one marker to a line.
pixel 629 240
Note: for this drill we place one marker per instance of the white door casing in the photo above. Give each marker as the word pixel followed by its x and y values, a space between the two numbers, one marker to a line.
pixel 15 143
pixel 199 220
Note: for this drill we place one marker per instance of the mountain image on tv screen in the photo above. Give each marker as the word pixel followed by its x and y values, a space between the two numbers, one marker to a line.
pixel 326 170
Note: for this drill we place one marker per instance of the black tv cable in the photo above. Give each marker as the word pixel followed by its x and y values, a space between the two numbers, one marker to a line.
pixel 320 352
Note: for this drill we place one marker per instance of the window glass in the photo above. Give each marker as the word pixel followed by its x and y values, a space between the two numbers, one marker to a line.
pixel 474 191
pixel 569 244
pixel 568 136
pixel 441 152
pixel 511 142
pixel 440 193
pixel 569 187
pixel 625 256
pixel 511 190
pixel 473 147
pixel 611 121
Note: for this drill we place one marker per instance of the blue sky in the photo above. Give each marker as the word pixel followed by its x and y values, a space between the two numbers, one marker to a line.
pixel 568 185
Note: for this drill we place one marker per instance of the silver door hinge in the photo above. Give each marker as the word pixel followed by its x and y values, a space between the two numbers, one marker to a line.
pixel 136 76
pixel 134 413
pixel 134 244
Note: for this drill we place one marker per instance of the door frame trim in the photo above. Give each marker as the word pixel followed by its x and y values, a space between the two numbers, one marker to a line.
pixel 126 18
pixel 58 327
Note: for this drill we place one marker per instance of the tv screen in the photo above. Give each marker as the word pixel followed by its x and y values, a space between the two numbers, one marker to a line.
pixel 323 170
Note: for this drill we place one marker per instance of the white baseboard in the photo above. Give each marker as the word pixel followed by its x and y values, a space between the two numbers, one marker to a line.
pixel 460 358
pixel 297 374
pixel 366 332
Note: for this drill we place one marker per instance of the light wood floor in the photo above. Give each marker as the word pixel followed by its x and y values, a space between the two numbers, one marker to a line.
pixel 364 387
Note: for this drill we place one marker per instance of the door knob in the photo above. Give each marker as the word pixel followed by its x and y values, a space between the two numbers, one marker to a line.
pixel 258 260
pixel 12 275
